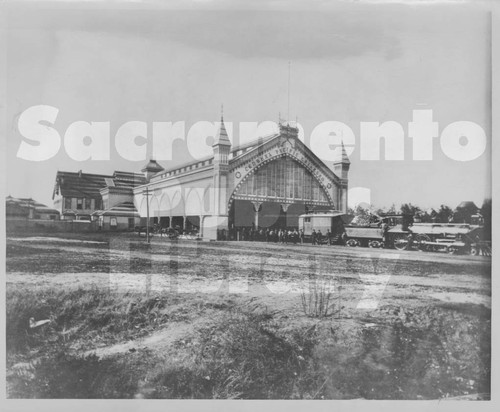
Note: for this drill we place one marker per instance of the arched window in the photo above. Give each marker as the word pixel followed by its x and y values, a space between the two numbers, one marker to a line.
pixel 283 178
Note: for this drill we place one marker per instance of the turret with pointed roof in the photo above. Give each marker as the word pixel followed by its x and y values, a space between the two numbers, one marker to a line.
pixel 151 169
pixel 341 166
pixel 221 148
pixel 222 145
pixel 222 138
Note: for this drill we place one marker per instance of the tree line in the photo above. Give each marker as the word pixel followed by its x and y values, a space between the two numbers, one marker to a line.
pixel 463 213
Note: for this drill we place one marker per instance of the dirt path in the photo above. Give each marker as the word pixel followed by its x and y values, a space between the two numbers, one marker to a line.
pixel 264 270
pixel 160 339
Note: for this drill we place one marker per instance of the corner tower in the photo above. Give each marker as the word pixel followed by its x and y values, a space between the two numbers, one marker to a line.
pixel 341 169
pixel 221 147
pixel 220 219
pixel 151 169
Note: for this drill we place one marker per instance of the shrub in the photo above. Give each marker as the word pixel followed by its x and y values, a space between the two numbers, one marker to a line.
pixel 318 301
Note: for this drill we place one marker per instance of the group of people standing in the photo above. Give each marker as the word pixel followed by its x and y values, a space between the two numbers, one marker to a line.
pixel 283 235
pixel 317 238
pixel 276 235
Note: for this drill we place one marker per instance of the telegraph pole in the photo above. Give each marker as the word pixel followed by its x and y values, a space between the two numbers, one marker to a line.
pixel 289 70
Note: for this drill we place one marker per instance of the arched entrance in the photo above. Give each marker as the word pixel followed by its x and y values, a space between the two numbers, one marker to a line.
pixel 275 195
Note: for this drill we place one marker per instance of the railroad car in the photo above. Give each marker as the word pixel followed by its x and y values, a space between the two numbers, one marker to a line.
pixel 323 222
pixel 396 231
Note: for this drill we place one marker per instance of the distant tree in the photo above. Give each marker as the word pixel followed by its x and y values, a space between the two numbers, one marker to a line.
pixel 444 214
pixel 386 210
pixel 431 215
pixel 362 216
pixel 486 213
pixel 409 209
pixel 427 217
pixel 464 211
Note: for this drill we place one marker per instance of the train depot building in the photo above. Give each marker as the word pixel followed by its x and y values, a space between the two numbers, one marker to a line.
pixel 267 183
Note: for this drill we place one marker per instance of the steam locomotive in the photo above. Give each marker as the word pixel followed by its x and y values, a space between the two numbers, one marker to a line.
pixel 398 232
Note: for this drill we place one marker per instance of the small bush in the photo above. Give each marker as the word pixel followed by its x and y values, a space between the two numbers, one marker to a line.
pixel 318 301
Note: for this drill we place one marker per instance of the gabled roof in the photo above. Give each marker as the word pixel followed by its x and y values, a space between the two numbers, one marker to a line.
pixel 264 144
pixel 257 142
pixel 125 209
pixel 88 185
pixel 25 204
pixel 71 184
pixel 128 179
pixel 286 131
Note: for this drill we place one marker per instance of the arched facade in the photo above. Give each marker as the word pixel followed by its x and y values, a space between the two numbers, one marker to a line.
pixel 279 189
pixel 269 183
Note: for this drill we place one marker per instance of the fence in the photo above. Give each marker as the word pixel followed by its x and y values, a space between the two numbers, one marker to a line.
pixel 38 225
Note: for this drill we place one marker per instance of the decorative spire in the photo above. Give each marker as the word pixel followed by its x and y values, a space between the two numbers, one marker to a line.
pixel 222 138
pixel 345 158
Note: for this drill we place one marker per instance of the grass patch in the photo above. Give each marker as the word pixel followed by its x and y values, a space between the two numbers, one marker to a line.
pixel 64 376
pixel 82 314
pixel 242 356
pixel 251 356
pixel 425 353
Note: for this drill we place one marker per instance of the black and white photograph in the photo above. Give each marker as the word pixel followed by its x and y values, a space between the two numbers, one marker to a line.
pixel 248 200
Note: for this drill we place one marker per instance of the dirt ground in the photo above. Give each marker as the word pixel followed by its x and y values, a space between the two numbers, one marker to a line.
pixel 372 291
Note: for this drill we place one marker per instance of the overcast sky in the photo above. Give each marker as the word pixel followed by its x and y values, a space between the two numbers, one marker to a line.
pixel 351 62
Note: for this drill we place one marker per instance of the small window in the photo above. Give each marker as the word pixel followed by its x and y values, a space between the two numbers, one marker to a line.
pixel 307 219
pixel 67 203
pixel 79 203
pixel 88 203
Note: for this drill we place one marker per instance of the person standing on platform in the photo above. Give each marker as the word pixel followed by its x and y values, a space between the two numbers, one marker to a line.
pixel 328 236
